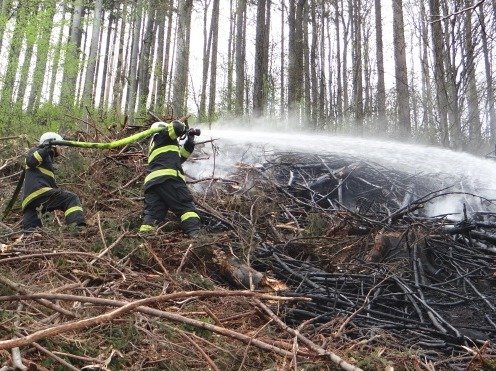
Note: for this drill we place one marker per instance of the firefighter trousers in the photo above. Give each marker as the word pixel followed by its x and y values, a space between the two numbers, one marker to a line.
pixel 56 199
pixel 171 194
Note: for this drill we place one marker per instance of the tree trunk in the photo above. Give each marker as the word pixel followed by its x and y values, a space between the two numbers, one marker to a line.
pixel 295 68
pixel 346 31
pixel 119 68
pixel 4 18
pixel 307 94
pixel 133 64
pixel 427 119
pixel 213 74
pixel 111 75
pixel 91 70
pixel 472 96
pixel 52 88
pixel 180 84
pixel 282 68
pixel 107 59
pixel 439 71
pixel 72 57
pixel 145 67
pixel 450 40
pixel 22 16
pixel 314 66
pixel 357 64
pixel 207 43
pixel 240 57
pixel 45 17
pixel 401 74
pixel 259 75
pixel 381 88
pixel 488 75
pixel 159 91
pixel 339 88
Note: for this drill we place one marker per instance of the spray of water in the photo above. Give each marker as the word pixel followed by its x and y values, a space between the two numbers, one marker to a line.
pixel 460 171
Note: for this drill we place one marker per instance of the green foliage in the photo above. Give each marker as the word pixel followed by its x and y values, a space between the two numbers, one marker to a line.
pixel 200 281
pixel 489 365
pixel 372 361
pixel 316 225
pixel 204 333
pixel 122 335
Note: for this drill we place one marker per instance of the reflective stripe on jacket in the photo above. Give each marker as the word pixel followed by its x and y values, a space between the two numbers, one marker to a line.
pixel 165 155
pixel 39 174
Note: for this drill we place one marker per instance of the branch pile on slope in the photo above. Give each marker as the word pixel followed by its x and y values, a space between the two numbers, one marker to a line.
pixel 309 260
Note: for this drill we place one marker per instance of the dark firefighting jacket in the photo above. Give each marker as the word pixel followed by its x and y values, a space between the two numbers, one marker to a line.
pixel 165 155
pixel 39 177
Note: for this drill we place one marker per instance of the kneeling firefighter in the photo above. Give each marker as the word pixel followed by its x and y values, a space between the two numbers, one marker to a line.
pixel 165 186
pixel 40 192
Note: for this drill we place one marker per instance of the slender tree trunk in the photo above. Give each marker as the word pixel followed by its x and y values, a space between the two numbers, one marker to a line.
pixel 472 96
pixel 180 84
pixel 145 67
pixel 296 66
pixel 230 52
pixel 339 91
pixel 72 57
pixel 282 68
pixel 84 46
pixel 313 65
pixel 450 40
pixel 91 70
pixel 240 57
pixel 133 64
pixel 168 43
pixel 23 78
pixel 107 60
pixel 259 75
pixel 171 69
pixel 355 7
pixel 381 88
pixel 158 99
pixel 111 75
pixel 42 49
pixel 346 30
pixel 22 16
pixel 120 66
pixel 215 46
pixel 100 57
pixel 322 76
pixel 401 74
pixel 207 43
pixel 307 93
pixel 439 70
pixel 4 8
pixel 56 62
pixel 427 119
pixel 488 73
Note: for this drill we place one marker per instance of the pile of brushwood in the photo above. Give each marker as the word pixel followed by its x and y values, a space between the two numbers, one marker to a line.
pixel 306 262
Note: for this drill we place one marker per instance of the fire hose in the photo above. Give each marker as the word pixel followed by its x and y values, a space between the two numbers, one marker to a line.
pixel 109 145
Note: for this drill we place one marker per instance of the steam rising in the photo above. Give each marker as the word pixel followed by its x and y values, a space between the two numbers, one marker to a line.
pixel 460 171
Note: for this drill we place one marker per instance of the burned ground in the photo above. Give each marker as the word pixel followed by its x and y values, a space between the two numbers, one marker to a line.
pixel 340 250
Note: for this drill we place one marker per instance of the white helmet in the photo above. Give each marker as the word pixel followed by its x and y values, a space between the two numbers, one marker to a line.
pixel 49 136
pixel 158 124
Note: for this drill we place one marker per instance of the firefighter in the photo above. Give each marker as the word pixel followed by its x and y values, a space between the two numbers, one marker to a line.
pixel 40 192
pixel 165 187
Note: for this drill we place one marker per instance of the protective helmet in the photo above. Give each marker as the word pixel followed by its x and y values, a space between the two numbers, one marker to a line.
pixel 49 136
pixel 158 124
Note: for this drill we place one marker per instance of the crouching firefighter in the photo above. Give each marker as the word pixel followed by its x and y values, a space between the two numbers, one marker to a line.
pixel 165 187
pixel 40 192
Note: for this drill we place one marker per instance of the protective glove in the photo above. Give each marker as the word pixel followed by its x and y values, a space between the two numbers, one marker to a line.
pixel 191 135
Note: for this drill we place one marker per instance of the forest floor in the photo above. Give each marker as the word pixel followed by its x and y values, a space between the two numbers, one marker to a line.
pixel 306 263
